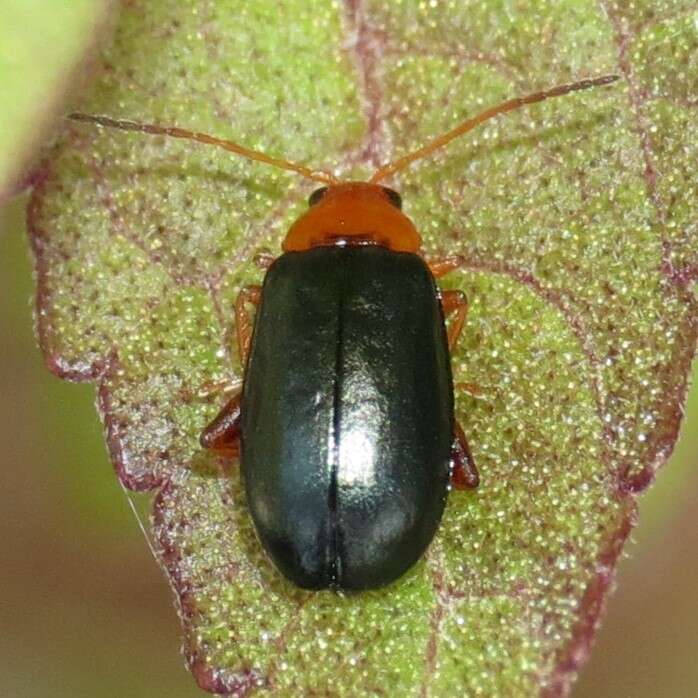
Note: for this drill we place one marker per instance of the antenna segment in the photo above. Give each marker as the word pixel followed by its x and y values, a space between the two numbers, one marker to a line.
pixel 176 132
pixel 469 124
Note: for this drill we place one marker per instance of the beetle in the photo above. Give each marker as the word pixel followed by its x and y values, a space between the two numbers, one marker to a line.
pixel 345 424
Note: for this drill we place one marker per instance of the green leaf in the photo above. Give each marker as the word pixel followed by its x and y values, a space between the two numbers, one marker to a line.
pixel 40 48
pixel 577 221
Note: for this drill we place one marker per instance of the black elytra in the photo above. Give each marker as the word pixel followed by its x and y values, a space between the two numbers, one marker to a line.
pixel 347 415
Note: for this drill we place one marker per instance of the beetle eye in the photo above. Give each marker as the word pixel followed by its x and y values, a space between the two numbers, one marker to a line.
pixel 395 198
pixel 317 196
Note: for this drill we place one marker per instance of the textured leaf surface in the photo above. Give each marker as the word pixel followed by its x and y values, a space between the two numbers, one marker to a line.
pixel 577 220
pixel 39 47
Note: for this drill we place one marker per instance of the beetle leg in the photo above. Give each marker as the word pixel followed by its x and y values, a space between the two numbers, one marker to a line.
pixel 224 385
pixel 472 389
pixel 457 303
pixel 264 259
pixel 454 302
pixel 243 322
pixel 443 265
pixel 464 474
pixel 222 435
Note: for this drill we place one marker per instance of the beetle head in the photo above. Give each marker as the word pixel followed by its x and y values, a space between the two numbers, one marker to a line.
pixel 353 213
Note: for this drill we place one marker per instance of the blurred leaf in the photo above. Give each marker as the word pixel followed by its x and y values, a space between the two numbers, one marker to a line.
pixel 40 47
pixel 577 219
pixel 645 647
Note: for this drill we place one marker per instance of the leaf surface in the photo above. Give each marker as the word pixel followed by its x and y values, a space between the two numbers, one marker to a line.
pixel 577 221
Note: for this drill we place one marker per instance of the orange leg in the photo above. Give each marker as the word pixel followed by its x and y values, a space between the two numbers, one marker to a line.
pixel 224 385
pixel 464 474
pixel 472 389
pixel 442 266
pixel 451 301
pixel 454 302
pixel 222 435
pixel 243 322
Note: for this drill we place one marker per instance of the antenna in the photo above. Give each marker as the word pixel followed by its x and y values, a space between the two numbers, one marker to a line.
pixel 469 124
pixel 176 132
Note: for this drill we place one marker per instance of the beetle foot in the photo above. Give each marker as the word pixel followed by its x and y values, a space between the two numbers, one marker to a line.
pixel 264 259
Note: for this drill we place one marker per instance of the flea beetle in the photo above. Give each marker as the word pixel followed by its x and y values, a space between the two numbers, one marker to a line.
pixel 345 424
